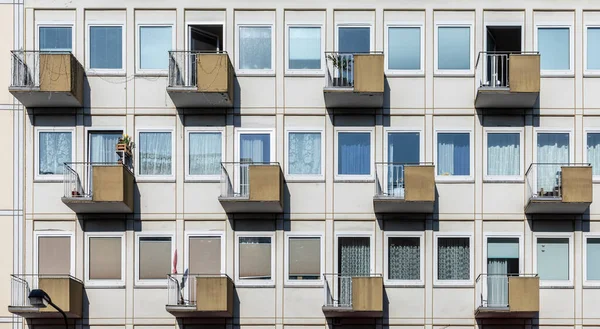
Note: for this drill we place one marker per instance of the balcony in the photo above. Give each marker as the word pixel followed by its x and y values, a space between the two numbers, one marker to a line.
pixel 354 80
pixel 46 79
pixel 353 296
pixel 98 187
pixel 200 79
pixel 66 292
pixel 507 295
pixel 250 187
pixel 404 188
pixel 508 80
pixel 555 188
pixel 200 296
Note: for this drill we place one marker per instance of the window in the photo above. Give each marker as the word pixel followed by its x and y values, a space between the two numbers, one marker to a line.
pixel 553 260
pixel 453 259
pixel 354 259
pixel 404 48
pixel 454 48
pixel 56 38
pixel 552 152
pixel 555 48
pixel 106 47
pixel 593 152
pixel 255 148
pixel 104 263
pixel 354 154
pixel 404 147
pixel 304 258
pixel 155 42
pixel 155 153
pixel 255 48
pixel 404 259
pixel 154 259
pixel 255 259
pixel 593 48
pixel 102 146
pixel 54 254
pixel 503 154
pixel 453 154
pixel 354 39
pixel 204 158
pixel 305 154
pixel 502 261
pixel 304 48
pixel 55 148
pixel 592 255
pixel 205 255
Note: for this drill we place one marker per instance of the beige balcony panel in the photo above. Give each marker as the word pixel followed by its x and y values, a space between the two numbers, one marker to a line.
pixel 214 299
pixel 265 192
pixel 66 293
pixel 419 192
pixel 367 300
pixel 523 300
pixel 576 193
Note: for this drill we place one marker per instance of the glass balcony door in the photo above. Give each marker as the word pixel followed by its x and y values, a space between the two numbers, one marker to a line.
pixel 254 149
pixel 503 261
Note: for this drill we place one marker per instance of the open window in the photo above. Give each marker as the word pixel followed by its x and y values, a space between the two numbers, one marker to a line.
pixel 501 41
pixel 206 38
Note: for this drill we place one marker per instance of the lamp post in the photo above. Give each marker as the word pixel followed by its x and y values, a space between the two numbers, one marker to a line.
pixel 39 298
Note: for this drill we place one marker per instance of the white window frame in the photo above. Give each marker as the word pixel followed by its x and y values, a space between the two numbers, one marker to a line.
pixel 355 234
pixel 204 234
pixel 141 178
pixel 553 235
pixel 255 283
pixel 398 72
pixel 189 24
pixel 250 72
pixel 503 130
pixel 438 235
pixel 88 52
pixel 560 73
pixel 454 178
pixel 595 178
pixel 138 48
pixel 370 176
pixel 99 130
pixel 386 260
pixel 399 130
pixel 587 72
pixel 505 235
pixel 151 282
pixel 313 283
pixel 38 130
pixel 301 72
pixel 192 130
pixel 298 177
pixel 446 72
pixel 48 233
pixel 361 24
pixel 70 24
pixel 587 282
pixel 99 282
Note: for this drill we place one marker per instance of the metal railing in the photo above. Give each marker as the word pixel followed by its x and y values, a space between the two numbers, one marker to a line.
pixel 77 178
pixel 25 69
pixel 235 178
pixel 340 68
pixel 338 289
pixel 494 68
pixel 492 289
pixel 22 284
pixel 544 180
pixel 389 178
pixel 183 66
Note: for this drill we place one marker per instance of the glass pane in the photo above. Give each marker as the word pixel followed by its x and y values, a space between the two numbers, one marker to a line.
pixel 54 38
pixel 593 258
pixel 454 259
pixel 305 48
pixel 105 258
pixel 155 44
pixel 454 48
pixel 154 257
pixel 593 48
pixel 155 153
pixel 106 47
pixel 55 149
pixel 553 258
pixel 593 151
pixel 554 48
pixel 255 258
pixel 503 154
pixel 102 147
pixel 404 261
pixel 304 154
pixel 403 148
pixel 354 39
pixel 54 255
pixel 453 154
pixel 553 150
pixel 503 248
pixel 354 153
pixel 255 148
pixel 255 48
pixel 404 48
pixel 205 153
pixel 204 255
pixel 304 258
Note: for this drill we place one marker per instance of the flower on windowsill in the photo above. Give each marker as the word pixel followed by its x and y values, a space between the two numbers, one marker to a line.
pixel 126 140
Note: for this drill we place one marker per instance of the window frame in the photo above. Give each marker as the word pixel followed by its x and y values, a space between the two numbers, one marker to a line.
pixel 255 283
pixel 286 257
pixel 500 178
pixel 99 282
pixel 98 130
pixel 554 235
pixel 204 234
pixel 454 178
pixel 303 72
pixel 149 178
pixel 201 178
pixel 386 271
pixel 595 178
pixel 360 178
pixel 69 24
pixel 586 281
pixel 361 24
pixel 587 72
pixel 49 233
pixel 505 235
pixel 558 73
pixel 400 72
pixel 354 234
pixel 257 72
pixel 88 47
pixel 255 131
pixel 446 72
pixel 138 49
pixel 399 130
pixel 436 237
pixel 299 177
pixel 52 177
pixel 150 282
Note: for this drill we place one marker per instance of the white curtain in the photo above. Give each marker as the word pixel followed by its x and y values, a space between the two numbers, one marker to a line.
pixel 404 257
pixel 355 260
pixel 102 147
pixel 205 153
pixel 255 47
pixel 454 259
pixel 453 154
pixel 503 154
pixel 304 153
pixel 254 148
pixel 155 153
pixel 553 151
pixel 497 282
pixel 354 153
pixel 55 149
pixel 593 149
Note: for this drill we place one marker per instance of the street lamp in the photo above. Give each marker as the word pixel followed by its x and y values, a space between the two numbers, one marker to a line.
pixel 39 298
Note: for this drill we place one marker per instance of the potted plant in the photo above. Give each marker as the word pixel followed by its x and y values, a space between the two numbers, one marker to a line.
pixel 343 67
pixel 125 144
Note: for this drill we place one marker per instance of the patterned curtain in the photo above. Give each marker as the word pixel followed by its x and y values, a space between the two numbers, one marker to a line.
pixel 355 260
pixel 255 48
pixel 55 149
pixel 453 259
pixel 404 259
pixel 305 154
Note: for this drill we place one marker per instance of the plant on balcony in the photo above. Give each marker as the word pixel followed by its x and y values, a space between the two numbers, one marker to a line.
pixel 343 66
pixel 125 144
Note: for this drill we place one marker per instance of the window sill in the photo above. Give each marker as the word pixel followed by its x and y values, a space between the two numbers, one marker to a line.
pixel 103 286
pixel 466 285
pixel 255 75
pixel 454 181
pixel 299 180
pixel 48 180
pixel 591 286
pixel 200 180
pixel 95 73
pixel 304 75
pixel 454 75
pixel 504 181
pixel 154 180
pixel 557 75
pixel 297 285
pixel 150 286
pixel 151 75
pixel 401 285
pixel 567 286
pixel 404 75
pixel 249 285
pixel 343 180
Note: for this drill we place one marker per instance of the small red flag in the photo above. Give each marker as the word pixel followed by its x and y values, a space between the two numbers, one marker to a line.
pixel 175 262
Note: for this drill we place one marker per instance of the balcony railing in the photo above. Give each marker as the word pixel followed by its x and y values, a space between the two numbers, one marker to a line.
pixel 494 67
pixel 183 67
pixel 22 284
pixel 340 68
pixel 545 181
pixel 494 291
pixel 338 289
pixel 78 182
pixel 235 178
pixel 181 289
pixel 390 178
pixel 25 69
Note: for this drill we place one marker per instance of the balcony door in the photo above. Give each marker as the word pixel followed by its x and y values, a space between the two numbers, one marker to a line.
pixel 254 149
pixel 403 149
pixel 502 262
pixel 351 40
pixel 500 42
pixel 552 152
pixel 102 146
pixel 354 259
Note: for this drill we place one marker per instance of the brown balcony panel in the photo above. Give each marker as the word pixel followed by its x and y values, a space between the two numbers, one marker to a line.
pixel 265 192
pixel 368 88
pixel 66 293
pixel 523 300
pixel 419 189
pixel 214 299
pixel 367 300
pixel 214 84
pixel 112 191
pixel 61 79
pixel 576 194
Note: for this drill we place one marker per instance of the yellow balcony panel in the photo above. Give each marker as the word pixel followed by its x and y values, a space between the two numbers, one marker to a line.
pixel 65 291
pixel 364 299
pixel 211 297
pixel 251 187
pixel 404 188
pixel 520 300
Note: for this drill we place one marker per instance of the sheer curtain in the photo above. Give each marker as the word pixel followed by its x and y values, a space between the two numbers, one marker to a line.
pixel 354 153
pixel 454 259
pixel 497 294
pixel 255 47
pixel 205 153
pixel 453 154
pixel 55 149
pixel 304 155
pixel 155 153
pixel 553 150
pixel 593 152
pixel 354 260
pixel 503 154
pixel 403 148
pixel 254 148
pixel 404 257
pixel 102 147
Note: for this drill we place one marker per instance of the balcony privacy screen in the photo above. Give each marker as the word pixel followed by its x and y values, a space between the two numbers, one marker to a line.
pixel 105 258
pixel 304 153
pixel 205 153
pixel 553 148
pixel 205 255
pixel 304 258
pixel 454 259
pixel 354 260
pixel 255 258
pixel 102 146
pixel 54 255
pixel 502 253
pixel 155 153
pixel 404 258
pixel 154 258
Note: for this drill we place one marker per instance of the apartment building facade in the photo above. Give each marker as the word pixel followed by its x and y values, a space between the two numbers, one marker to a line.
pixel 417 164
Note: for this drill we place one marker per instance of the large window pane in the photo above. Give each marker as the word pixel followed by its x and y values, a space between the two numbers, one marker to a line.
pixel 155 44
pixel 105 258
pixel 454 48
pixel 305 48
pixel 453 154
pixel 255 48
pixel 554 48
pixel 255 258
pixel 404 148
pixel 354 39
pixel 205 255
pixel 304 258
pixel 205 153
pixel 106 47
pixel 454 259
pixel 354 259
pixel 404 48
pixel 54 255
pixel 255 148
pixel 503 154
pixel 102 147
pixel 404 261
pixel 354 153
pixel 552 152
pixel 593 152
pixel 593 48
pixel 55 149
pixel 553 258
pixel 154 258
pixel 155 153
pixel 56 38
pixel 502 260
pixel 304 153
pixel 593 258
